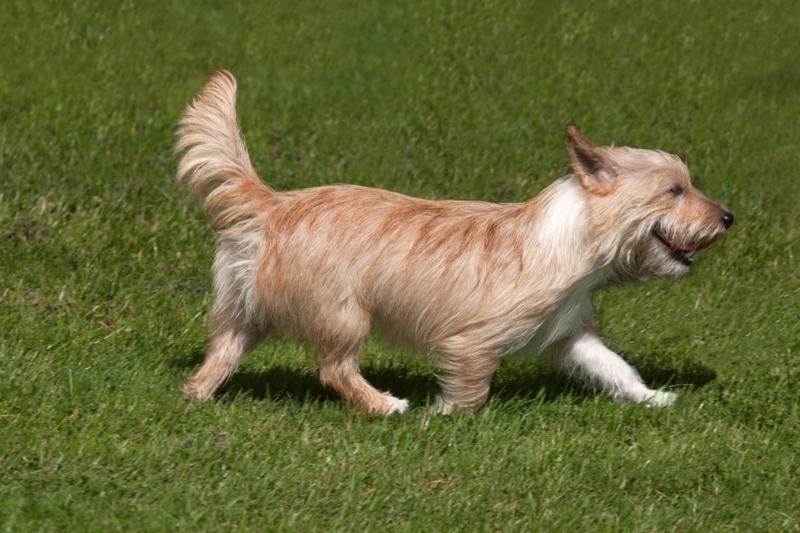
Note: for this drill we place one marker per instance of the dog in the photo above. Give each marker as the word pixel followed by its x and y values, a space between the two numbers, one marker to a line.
pixel 466 281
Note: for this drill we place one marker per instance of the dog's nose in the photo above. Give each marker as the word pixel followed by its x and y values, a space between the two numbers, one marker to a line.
pixel 727 219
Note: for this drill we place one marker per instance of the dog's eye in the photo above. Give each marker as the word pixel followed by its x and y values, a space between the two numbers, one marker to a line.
pixel 676 190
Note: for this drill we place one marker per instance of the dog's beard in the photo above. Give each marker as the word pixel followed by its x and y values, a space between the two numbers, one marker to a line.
pixel 662 260
pixel 667 249
pixel 652 251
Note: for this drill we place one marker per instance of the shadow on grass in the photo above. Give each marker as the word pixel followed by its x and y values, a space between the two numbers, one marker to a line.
pixel 514 381
pixel 690 374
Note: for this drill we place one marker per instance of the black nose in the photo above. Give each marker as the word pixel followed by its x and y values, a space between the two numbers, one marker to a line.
pixel 727 219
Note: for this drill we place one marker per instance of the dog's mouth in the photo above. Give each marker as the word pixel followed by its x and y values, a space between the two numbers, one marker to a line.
pixel 683 253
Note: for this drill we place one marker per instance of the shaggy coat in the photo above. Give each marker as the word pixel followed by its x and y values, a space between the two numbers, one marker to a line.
pixel 466 281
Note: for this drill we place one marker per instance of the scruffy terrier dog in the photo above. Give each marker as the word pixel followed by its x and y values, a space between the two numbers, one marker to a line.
pixel 469 282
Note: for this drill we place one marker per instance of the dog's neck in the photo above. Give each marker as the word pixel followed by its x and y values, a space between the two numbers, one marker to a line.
pixel 562 264
pixel 564 240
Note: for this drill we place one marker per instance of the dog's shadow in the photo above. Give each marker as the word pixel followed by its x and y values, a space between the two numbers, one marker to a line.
pixel 515 381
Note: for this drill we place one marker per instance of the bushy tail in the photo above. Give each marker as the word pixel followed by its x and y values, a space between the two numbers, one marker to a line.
pixel 215 165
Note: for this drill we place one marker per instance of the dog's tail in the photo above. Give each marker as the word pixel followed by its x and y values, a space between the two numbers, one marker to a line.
pixel 215 165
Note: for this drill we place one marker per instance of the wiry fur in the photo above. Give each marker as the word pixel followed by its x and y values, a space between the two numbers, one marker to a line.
pixel 467 281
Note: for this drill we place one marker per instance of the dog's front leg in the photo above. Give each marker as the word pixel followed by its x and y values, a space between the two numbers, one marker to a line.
pixel 465 375
pixel 585 354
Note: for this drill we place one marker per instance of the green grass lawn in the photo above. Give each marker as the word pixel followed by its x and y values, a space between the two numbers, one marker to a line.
pixel 105 265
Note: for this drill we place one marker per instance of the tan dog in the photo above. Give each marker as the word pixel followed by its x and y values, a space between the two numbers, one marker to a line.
pixel 467 281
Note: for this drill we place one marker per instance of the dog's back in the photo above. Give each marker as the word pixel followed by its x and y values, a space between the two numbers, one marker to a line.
pixel 301 259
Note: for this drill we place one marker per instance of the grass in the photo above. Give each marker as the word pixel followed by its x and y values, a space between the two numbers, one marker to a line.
pixel 104 265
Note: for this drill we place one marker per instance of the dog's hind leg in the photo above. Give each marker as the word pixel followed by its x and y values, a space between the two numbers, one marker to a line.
pixel 340 343
pixel 227 346
pixel 586 355
pixel 340 371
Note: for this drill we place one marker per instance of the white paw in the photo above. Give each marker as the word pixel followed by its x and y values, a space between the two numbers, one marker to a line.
pixel 440 406
pixel 396 405
pixel 661 398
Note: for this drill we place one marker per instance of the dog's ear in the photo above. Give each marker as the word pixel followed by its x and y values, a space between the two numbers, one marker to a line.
pixel 596 173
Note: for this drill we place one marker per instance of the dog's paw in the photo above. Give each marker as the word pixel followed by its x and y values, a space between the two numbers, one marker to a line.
pixel 661 398
pixel 396 405
pixel 195 391
pixel 440 406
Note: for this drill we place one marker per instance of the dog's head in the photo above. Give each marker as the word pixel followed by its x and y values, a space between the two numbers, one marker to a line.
pixel 643 208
